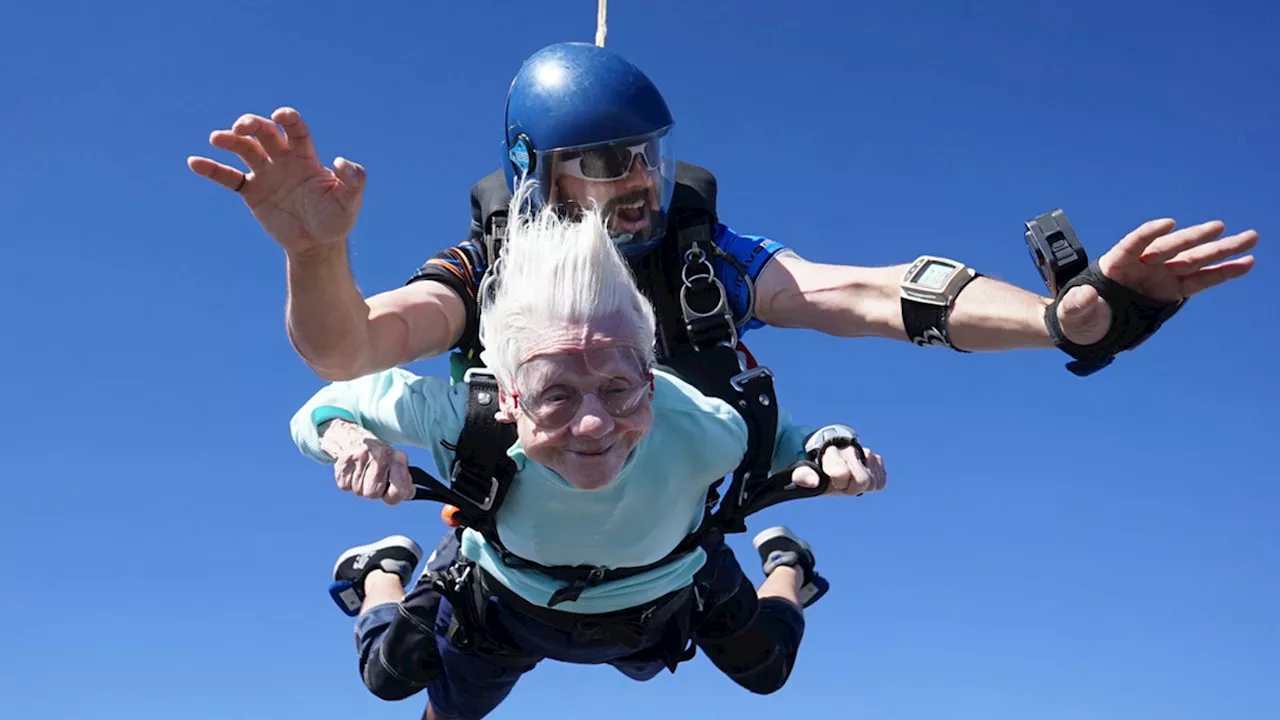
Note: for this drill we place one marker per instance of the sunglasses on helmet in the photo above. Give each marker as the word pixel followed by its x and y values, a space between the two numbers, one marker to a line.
pixel 609 162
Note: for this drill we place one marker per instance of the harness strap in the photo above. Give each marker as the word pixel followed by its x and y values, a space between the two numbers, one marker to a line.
pixel 481 473
pixel 633 627
pixel 456 584
pixel 495 235
pixel 704 305
pixel 758 405
pixel 745 498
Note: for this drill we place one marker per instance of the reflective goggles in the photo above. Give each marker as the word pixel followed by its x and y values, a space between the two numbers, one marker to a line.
pixel 550 389
pixel 610 162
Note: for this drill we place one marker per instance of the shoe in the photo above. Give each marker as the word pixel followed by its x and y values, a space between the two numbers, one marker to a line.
pixel 779 546
pixel 395 554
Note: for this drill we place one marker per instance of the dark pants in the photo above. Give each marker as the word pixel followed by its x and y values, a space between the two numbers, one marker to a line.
pixel 403 648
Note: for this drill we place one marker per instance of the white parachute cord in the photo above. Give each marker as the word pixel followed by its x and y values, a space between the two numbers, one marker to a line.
pixel 602 29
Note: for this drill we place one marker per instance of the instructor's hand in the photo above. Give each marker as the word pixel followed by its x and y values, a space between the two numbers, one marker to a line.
pixel 1161 264
pixel 302 204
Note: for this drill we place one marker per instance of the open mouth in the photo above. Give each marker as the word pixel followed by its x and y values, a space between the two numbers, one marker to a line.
pixel 634 213
pixel 631 212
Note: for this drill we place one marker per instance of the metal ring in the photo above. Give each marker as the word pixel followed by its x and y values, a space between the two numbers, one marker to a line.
pixel 721 308
pixel 688 279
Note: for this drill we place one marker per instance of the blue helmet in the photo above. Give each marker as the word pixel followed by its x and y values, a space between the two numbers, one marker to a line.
pixel 591 128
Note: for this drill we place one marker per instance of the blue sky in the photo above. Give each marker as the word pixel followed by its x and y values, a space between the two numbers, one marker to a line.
pixel 1048 547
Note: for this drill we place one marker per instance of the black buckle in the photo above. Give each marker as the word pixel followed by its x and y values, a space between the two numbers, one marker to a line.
pixel 462 632
pixel 760 375
pixel 573 590
pixel 480 371
pixel 495 236
pixel 462 482
pixel 452 581
pixel 740 380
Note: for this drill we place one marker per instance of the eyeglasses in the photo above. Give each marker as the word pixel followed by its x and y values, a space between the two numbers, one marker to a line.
pixel 553 392
pixel 558 407
pixel 609 162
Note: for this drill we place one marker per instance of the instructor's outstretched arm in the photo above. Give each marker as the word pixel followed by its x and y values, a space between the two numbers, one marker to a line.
pixel 310 210
pixel 1153 259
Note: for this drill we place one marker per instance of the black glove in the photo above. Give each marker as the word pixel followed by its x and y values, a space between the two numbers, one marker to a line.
pixel 1134 318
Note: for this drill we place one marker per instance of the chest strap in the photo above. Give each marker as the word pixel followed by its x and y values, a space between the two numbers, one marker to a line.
pixel 482 472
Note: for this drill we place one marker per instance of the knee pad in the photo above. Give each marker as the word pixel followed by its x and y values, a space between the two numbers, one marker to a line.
pixel 759 648
pixel 383 683
pixel 728 614
pixel 408 654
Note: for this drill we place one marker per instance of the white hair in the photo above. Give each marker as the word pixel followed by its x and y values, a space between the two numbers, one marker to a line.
pixel 551 272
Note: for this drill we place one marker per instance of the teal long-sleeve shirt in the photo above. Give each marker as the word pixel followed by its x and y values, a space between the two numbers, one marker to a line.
pixel 656 500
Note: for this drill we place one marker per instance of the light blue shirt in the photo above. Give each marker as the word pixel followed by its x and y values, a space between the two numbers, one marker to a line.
pixel 657 499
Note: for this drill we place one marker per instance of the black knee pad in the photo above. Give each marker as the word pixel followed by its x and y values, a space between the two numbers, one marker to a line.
pixel 383 684
pixel 752 641
pixel 407 658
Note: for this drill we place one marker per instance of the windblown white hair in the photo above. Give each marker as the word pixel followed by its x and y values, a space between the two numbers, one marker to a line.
pixel 552 272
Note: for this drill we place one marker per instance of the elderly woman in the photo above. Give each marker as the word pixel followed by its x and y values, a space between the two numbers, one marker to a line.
pixel 614 462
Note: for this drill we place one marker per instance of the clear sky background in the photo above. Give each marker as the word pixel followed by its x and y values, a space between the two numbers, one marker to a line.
pixel 1048 547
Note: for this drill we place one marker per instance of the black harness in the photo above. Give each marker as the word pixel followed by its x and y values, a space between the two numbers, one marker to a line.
pixel 698 341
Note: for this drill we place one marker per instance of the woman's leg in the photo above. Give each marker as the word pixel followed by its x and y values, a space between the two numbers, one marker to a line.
pixel 753 636
pixel 374 576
